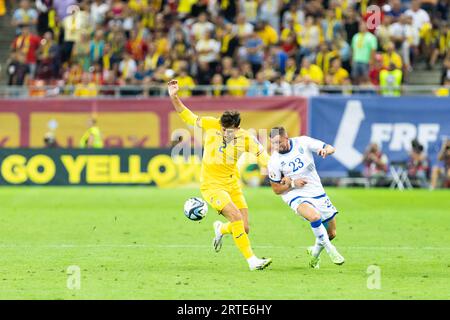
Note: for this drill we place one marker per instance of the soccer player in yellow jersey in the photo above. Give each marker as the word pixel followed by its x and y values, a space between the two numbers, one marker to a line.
pixel 220 186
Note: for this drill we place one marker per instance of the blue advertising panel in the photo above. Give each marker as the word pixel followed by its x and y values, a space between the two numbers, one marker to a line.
pixel 351 123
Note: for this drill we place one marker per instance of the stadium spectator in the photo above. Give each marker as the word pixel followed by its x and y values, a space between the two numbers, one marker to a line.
pixel 253 51
pixel 291 70
pixel 331 26
pixel 391 57
pixel 383 32
pixel 48 58
pixel 136 46
pixel 27 43
pixel 267 33
pixel 375 69
pixel 364 45
pixel 294 14
pixel 337 76
pixel 217 83
pixel 186 83
pixel 243 28
pixel 229 42
pixel 406 39
pixel 260 87
pixel 304 86
pixel 420 17
pixel 418 165
pixel 351 24
pixel 310 72
pixel 127 69
pixel 238 84
pixel 280 87
pixel 390 81
pixel 325 55
pixel 441 172
pixel 279 59
pixel 18 70
pixel 25 15
pixel 394 9
pixel 375 164
pixel 43 8
pixel 75 25
pixel 441 42
pixel 310 38
pixel 98 12
pixel 87 88
pixel 202 27
pixel 208 50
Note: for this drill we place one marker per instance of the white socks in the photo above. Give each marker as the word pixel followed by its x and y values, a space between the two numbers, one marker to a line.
pixel 321 237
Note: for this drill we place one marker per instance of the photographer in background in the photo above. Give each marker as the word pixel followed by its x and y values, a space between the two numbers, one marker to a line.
pixel 442 170
pixel 50 140
pixel 375 164
pixel 418 165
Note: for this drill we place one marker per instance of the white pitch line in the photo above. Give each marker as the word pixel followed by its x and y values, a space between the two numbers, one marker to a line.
pixel 191 246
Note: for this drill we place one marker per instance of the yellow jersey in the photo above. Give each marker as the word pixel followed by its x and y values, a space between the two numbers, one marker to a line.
pixel 314 72
pixel 242 82
pixel 219 162
pixel 185 83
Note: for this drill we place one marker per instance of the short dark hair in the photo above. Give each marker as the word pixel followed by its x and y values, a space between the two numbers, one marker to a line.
pixel 275 131
pixel 230 119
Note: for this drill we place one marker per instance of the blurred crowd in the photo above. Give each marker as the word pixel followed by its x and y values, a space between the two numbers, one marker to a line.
pixel 242 47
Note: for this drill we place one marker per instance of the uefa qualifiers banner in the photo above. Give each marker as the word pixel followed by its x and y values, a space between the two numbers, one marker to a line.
pixel 351 123
pixel 97 167
pixel 135 123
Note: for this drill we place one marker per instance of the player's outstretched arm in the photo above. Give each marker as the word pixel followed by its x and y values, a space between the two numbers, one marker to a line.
pixel 186 115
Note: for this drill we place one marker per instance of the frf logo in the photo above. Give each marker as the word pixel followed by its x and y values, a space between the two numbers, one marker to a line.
pixel 397 135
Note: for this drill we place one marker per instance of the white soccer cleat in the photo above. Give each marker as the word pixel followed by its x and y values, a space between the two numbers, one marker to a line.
pixel 217 241
pixel 259 264
pixel 335 256
pixel 315 261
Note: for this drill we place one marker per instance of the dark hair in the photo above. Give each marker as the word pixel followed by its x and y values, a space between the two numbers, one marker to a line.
pixel 416 146
pixel 230 119
pixel 275 131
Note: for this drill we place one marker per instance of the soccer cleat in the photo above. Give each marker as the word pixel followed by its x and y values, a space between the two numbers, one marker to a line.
pixel 315 261
pixel 217 241
pixel 335 256
pixel 260 264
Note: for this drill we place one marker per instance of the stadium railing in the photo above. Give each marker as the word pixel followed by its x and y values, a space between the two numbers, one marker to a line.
pixel 128 91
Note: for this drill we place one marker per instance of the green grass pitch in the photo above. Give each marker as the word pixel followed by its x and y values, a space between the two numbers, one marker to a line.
pixel 135 243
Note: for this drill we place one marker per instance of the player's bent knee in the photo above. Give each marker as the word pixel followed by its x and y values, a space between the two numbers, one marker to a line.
pixel 234 215
pixel 332 234
pixel 247 228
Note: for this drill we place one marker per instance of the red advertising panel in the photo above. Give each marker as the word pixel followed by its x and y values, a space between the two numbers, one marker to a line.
pixel 141 123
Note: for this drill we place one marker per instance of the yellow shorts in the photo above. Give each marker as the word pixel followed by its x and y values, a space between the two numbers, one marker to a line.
pixel 219 197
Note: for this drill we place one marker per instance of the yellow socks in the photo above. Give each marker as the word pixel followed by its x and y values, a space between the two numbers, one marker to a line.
pixel 241 239
pixel 226 228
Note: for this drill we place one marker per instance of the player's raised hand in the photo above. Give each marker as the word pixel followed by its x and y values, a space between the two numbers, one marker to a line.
pixel 322 153
pixel 172 87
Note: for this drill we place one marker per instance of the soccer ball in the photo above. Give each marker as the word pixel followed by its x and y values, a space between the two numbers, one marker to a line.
pixel 195 209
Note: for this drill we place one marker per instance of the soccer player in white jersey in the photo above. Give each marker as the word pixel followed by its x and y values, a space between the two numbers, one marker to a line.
pixel 293 175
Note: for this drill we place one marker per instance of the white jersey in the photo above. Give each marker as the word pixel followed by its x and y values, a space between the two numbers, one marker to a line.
pixel 298 163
